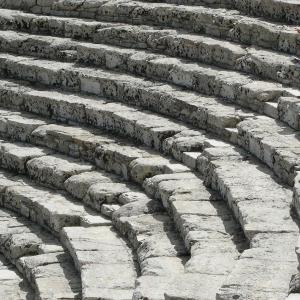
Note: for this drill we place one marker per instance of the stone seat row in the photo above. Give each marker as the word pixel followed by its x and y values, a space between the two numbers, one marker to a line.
pixel 290 233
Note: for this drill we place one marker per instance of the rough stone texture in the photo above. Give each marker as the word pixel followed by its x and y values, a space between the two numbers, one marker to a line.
pixel 12 285
pixel 103 259
pixel 157 142
pixel 26 246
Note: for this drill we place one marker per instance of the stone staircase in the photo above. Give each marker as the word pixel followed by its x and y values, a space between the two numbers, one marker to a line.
pixel 149 150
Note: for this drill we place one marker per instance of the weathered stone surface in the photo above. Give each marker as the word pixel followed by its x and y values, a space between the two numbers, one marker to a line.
pixel 55 170
pixel 47 208
pixel 12 285
pixel 188 110
pixel 78 185
pixel 273 143
pixel 185 286
pixel 103 259
pixel 101 193
pixel 21 240
pixel 52 275
pixel 289 111
pixel 16 156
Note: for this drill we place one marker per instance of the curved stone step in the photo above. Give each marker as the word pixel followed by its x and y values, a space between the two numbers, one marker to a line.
pixel 53 274
pixel 263 63
pixel 15 156
pixel 95 188
pixel 49 209
pixel 203 112
pixel 246 31
pixel 273 143
pixel 258 225
pixel 29 248
pixel 232 153
pixel 283 11
pixel 248 229
pixel 255 222
pixel 160 250
pixel 251 95
pixel 12 285
pixel 104 261
pixel 35 203
pixel 218 22
pixel 141 220
pixel 281 156
pixel 131 223
pixel 263 209
pixel 54 170
pixel 112 153
pixel 20 237
pixel 233 86
pixel 260 203
pixel 229 116
pixel 253 276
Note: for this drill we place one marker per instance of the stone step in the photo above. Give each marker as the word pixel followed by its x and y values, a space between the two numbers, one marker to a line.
pixel 218 22
pixel 262 272
pixel 54 170
pixel 256 226
pixel 273 143
pixel 141 221
pixel 242 247
pixel 203 112
pixel 84 29
pixel 185 286
pixel 13 286
pixel 20 237
pixel 281 156
pixel 104 261
pixel 79 178
pixel 253 222
pixel 283 11
pixel 233 86
pixel 24 244
pixel 243 182
pixel 206 143
pixel 228 116
pixel 289 112
pixel 53 274
pixel 89 186
pixel 51 210
pixel 245 30
pixel 15 156
pixel 256 202
pixel 92 145
pixel 159 266
pixel 135 226
pixel 210 232
pixel 161 249
pixel 38 268
pixel 145 95
pixel 263 208
pixel 94 189
pixel 191 203
pixel 154 238
pixel 51 170
pixel 263 63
